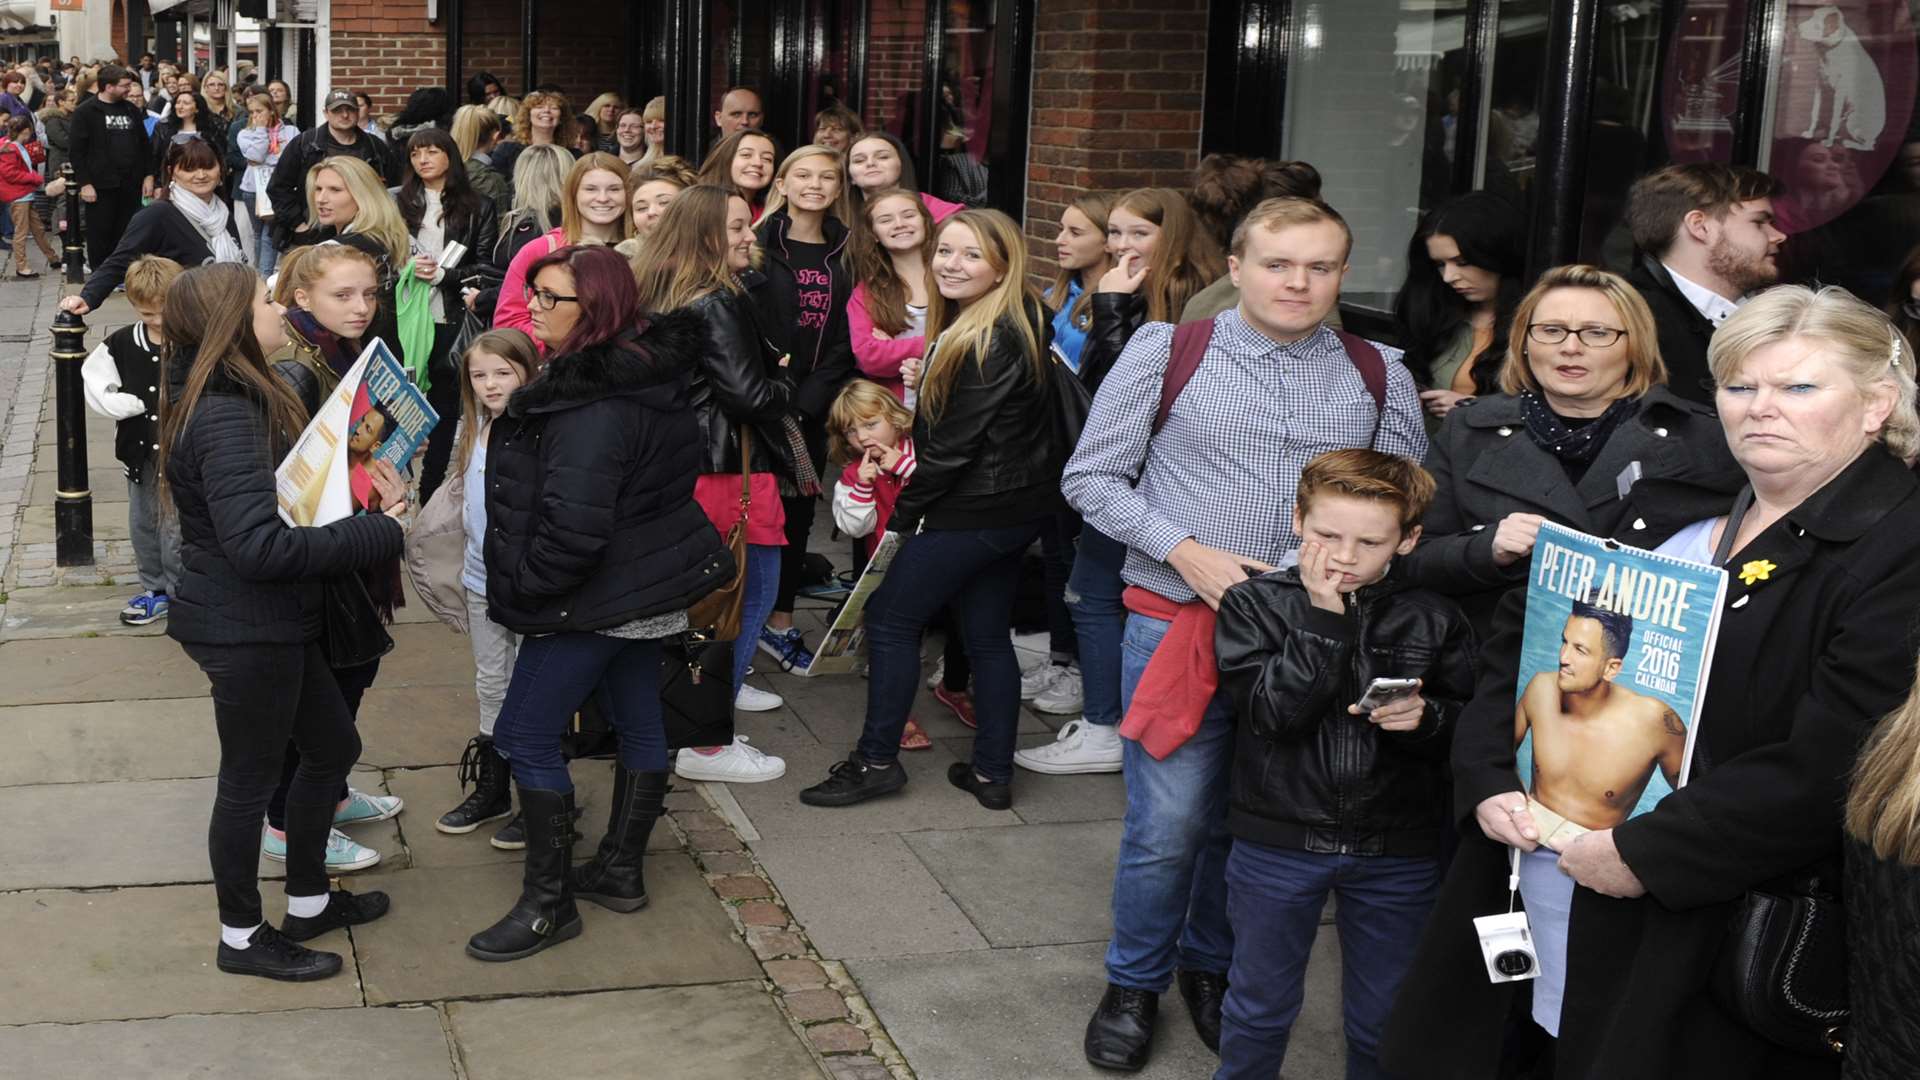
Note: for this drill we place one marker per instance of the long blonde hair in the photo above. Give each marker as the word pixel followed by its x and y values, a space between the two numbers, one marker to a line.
pixel 839 207
pixel 685 257
pixel 540 184
pixel 471 125
pixel 1883 809
pixel 377 215
pixel 1012 305
pixel 516 348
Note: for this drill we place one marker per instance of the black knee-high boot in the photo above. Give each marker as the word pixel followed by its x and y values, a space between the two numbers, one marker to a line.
pixel 612 878
pixel 545 913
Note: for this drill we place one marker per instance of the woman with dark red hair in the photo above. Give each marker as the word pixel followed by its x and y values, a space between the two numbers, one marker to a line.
pixel 595 549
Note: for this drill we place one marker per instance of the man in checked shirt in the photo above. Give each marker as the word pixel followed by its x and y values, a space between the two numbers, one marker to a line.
pixel 1213 505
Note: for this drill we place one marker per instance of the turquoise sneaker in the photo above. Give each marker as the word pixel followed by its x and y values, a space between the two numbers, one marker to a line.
pixel 361 808
pixel 343 854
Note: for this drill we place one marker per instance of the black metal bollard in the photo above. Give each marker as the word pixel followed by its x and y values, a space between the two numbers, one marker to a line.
pixel 74 257
pixel 73 500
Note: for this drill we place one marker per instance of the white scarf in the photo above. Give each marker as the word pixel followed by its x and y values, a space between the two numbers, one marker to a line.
pixel 209 218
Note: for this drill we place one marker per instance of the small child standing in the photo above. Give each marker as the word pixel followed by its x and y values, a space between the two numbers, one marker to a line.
pixel 445 559
pixel 1327 797
pixel 122 380
pixel 869 429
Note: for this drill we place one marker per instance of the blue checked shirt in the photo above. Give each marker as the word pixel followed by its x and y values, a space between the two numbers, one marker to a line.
pixel 1223 469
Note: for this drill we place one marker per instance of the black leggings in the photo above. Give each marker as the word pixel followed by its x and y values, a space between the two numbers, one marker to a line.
pixel 443 393
pixel 264 695
pixel 353 683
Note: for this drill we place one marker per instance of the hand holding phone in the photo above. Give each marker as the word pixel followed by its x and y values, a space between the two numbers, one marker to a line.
pixel 1382 691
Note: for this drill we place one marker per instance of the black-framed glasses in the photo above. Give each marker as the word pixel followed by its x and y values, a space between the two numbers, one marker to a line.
pixel 1593 337
pixel 547 299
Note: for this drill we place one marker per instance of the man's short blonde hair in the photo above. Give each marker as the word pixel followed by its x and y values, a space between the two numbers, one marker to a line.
pixel 1286 212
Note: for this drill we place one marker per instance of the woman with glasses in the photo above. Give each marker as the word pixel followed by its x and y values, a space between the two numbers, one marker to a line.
pixel 594 210
pixel 1583 433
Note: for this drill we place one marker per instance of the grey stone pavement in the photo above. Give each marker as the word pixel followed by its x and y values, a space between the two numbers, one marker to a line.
pixel 917 935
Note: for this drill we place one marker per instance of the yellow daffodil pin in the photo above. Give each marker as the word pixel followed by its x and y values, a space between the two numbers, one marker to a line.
pixel 1757 570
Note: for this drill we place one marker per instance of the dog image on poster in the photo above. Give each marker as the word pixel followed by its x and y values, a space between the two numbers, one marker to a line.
pixel 1850 96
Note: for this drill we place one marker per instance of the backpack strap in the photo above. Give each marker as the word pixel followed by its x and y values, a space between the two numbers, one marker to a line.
pixel 1190 341
pixel 1367 360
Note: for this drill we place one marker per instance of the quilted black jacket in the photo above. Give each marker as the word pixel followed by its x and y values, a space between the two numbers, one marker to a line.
pixel 1883 966
pixel 591 521
pixel 1306 774
pixel 247 577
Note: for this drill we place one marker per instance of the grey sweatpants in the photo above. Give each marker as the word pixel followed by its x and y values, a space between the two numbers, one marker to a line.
pixel 156 543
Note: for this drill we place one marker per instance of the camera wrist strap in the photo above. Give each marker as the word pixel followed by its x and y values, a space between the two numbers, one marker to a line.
pixel 1513 877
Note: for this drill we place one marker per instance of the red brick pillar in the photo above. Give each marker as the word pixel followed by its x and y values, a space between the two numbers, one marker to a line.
pixel 1117 97
pixel 386 49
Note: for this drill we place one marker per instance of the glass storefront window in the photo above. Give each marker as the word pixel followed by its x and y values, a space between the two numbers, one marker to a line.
pixel 963 114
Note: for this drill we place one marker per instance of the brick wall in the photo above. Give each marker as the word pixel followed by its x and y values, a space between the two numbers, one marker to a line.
pixel 584 57
pixel 386 49
pixel 896 59
pixel 1117 88
pixel 492 43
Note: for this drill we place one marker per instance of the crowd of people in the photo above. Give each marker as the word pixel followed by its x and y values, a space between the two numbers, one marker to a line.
pixel 652 366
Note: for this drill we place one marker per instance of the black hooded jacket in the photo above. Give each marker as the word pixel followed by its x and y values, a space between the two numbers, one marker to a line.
pixel 819 376
pixel 591 522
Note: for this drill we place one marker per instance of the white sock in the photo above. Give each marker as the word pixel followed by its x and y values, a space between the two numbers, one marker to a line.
pixel 236 937
pixel 306 907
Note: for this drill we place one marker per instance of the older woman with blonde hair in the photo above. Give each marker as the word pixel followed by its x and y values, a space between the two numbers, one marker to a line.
pixel 1646 927
pixel 1584 433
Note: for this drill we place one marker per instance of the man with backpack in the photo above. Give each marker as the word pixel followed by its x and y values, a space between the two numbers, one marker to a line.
pixel 1216 420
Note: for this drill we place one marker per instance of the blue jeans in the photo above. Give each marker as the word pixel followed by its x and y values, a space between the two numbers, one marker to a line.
pixel 552 676
pixel 1169 888
pixel 978 572
pixel 1100 619
pixel 763 581
pixel 1274 897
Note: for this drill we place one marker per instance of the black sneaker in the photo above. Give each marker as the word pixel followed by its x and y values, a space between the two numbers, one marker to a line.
pixel 854 781
pixel 271 956
pixel 343 909
pixel 990 795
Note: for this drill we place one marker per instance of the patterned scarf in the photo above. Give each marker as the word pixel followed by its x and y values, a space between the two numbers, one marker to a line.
pixel 1572 445
pixel 334 348
pixel 806 479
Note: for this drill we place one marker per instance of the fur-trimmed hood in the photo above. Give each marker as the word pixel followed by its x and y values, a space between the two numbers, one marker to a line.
pixel 653 362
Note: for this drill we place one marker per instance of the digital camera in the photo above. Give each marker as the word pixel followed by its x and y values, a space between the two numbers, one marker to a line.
pixel 1506 942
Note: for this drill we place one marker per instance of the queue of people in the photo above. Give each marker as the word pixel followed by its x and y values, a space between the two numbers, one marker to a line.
pixel 1258 514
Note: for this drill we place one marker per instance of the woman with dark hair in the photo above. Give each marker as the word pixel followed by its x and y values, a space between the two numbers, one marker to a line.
pixel 248 611
pixel 877 161
pixel 1903 300
pixel 192 226
pixel 1464 269
pixel 483 88
pixel 189 119
pixel 595 549
pixel 427 107
pixel 441 209
pixel 743 163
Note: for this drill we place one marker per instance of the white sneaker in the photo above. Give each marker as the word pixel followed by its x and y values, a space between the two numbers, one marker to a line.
pixel 1080 748
pixel 754 699
pixel 939 673
pixel 1065 696
pixel 1039 680
pixel 737 764
pixel 1032 650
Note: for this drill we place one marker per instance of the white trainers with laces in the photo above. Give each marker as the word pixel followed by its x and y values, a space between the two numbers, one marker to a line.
pixel 1065 697
pixel 754 699
pixel 737 764
pixel 1040 680
pixel 1080 748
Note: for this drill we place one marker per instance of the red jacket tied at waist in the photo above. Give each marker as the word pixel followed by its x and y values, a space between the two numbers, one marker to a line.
pixel 1180 680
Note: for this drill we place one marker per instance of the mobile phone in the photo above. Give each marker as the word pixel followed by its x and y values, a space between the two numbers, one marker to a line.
pixel 451 255
pixel 1381 691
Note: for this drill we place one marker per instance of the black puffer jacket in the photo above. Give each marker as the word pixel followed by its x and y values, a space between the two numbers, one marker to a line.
pixel 1883 966
pixel 990 457
pixel 247 577
pixel 591 521
pixel 1308 775
pixel 1115 316
pixel 735 383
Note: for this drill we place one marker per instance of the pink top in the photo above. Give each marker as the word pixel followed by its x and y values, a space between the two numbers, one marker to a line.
pixel 719 495
pixel 941 209
pixel 510 311
pixel 879 359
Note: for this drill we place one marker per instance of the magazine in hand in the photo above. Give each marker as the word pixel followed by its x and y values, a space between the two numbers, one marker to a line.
pixel 840 649
pixel 375 414
pixel 1613 669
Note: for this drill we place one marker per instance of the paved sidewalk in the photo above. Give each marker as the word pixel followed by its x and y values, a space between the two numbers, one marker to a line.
pixel 918 935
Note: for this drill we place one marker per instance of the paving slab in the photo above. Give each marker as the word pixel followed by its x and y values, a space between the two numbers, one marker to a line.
pixel 410 726
pixel 723 1032
pixel 418 952
pixel 388 1042
pixel 928 802
pixel 108 740
pixel 1030 885
pixel 865 895
pixel 1023 1012
pixel 432 792
pixel 71 611
pixel 834 709
pixel 1039 798
pixel 140 832
pixel 107 482
pixel 36 525
pixel 132 953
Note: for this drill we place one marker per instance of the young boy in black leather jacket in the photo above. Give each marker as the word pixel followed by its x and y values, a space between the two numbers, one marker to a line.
pixel 1328 797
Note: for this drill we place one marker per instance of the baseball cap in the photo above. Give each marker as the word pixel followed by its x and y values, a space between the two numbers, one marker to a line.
pixel 340 98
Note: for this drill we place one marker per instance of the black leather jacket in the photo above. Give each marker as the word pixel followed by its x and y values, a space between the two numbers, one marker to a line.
pixel 1114 317
pixel 736 383
pixel 1307 774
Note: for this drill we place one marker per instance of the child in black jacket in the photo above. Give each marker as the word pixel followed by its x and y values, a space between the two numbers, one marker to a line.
pixel 1327 796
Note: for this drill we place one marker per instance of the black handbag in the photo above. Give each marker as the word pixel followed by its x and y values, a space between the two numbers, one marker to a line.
pixel 1068 404
pixel 1782 970
pixel 351 634
pixel 696 701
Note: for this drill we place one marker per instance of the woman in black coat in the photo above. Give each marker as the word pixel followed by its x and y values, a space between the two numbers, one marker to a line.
pixel 1816 642
pixel 193 225
pixel 1586 436
pixel 248 610
pixel 595 549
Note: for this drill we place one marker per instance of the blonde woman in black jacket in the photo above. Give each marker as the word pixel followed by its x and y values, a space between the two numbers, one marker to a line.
pixel 248 610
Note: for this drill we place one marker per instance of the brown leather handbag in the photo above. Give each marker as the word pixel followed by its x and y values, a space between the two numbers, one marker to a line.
pixel 717 614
